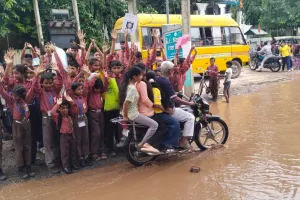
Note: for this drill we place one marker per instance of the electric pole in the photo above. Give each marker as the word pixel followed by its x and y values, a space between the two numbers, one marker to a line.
pixel 186 29
pixel 38 21
pixel 75 10
pixel 168 11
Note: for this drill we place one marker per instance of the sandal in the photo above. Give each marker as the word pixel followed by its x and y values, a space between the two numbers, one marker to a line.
pixel 103 156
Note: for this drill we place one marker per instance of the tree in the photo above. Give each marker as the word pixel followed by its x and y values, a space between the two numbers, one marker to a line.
pixel 160 6
pixel 18 20
pixel 252 10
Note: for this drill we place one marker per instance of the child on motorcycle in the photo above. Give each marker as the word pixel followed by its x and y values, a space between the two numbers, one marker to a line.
pixel 129 101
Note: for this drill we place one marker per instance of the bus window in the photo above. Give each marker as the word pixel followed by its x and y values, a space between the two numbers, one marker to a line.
pixel 208 36
pixel 236 36
pixel 217 36
pixel 147 39
pixel 197 36
pixel 225 34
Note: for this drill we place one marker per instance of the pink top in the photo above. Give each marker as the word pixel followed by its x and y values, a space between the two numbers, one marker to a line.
pixel 66 123
pixel 95 101
pixel 214 70
pixel 144 104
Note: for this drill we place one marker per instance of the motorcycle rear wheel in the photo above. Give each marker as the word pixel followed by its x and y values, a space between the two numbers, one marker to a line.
pixel 134 156
pixel 277 68
pixel 217 126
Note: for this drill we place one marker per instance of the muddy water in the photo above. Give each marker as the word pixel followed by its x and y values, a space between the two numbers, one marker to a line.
pixel 260 161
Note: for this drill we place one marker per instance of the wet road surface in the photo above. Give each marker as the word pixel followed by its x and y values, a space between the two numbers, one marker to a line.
pixel 261 160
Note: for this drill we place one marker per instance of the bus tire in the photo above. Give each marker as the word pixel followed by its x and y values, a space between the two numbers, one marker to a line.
pixel 236 69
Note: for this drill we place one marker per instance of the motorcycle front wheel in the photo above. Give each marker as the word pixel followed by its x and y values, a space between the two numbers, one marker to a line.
pixel 276 67
pixel 253 65
pixel 134 155
pixel 216 132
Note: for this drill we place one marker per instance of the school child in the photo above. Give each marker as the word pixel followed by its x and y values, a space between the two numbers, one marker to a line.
pixel 213 72
pixel 181 66
pixel 60 114
pixel 20 76
pixel 96 117
pixel 227 81
pixel 18 101
pixel 111 107
pixel 48 93
pixel 79 108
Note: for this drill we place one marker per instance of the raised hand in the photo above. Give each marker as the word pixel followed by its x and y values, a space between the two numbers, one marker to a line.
pixel 155 33
pixel 52 46
pixel 105 47
pixel 68 98
pixel 114 35
pixel 11 53
pixel 54 67
pixel 8 59
pixel 59 101
pixel 29 45
pixel 126 33
pixel 80 35
pixel 82 44
pixel 86 70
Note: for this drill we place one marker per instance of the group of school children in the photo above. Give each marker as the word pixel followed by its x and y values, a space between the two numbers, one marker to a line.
pixel 76 103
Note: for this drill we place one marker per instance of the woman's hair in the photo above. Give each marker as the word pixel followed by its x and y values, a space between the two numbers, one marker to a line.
pixel 22 70
pixel 134 71
pixel 19 91
pixel 47 76
pixel 139 55
pixel 93 61
pixel 142 66
pixel 152 76
pixel 74 86
pixel 98 84
pixel 115 63
pixel 74 63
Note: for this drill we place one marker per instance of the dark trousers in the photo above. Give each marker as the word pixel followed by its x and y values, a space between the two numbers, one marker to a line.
pixel 286 61
pixel 112 130
pixel 36 123
pixel 161 132
pixel 51 139
pixel 214 86
pixel 172 137
pixel 67 149
pixel 22 142
pixel 96 131
pixel 81 136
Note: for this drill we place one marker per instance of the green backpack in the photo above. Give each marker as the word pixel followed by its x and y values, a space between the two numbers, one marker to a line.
pixel 112 96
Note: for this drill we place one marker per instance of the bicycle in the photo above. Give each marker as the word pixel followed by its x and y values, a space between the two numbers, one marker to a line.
pixel 203 84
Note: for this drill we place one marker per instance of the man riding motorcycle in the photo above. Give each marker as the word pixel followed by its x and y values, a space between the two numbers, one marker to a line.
pixel 177 113
pixel 266 51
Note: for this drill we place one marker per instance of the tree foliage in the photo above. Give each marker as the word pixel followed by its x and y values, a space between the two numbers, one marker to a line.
pixel 160 6
pixel 272 15
pixel 96 16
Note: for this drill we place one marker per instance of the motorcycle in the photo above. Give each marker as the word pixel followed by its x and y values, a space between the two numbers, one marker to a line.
pixel 209 131
pixel 273 63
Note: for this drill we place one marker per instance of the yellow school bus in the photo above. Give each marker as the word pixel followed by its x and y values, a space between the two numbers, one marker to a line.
pixel 213 35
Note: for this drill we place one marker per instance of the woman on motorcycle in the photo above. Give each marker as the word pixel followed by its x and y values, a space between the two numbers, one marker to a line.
pixel 149 108
pixel 129 98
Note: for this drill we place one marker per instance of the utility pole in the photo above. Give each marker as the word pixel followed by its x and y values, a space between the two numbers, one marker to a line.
pixel 168 11
pixel 75 10
pixel 186 29
pixel 38 21
pixel 132 7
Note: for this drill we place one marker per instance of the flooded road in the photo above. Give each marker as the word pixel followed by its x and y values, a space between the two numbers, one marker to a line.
pixel 261 160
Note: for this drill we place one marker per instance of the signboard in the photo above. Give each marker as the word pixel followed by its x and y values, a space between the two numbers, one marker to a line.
pixel 230 2
pixel 130 23
pixel 170 40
